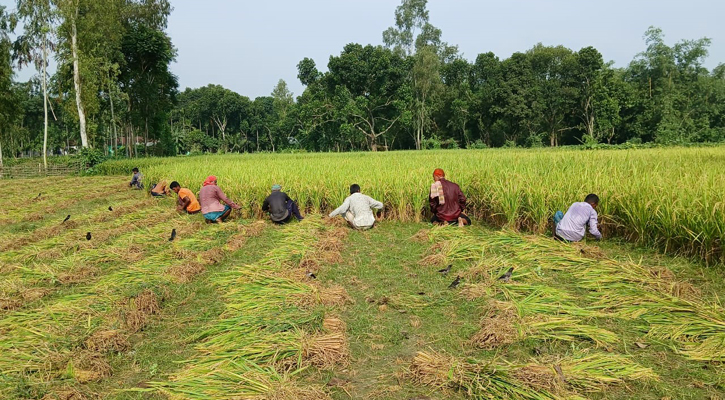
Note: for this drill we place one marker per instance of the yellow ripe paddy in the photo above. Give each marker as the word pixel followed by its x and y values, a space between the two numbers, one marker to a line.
pixel 669 198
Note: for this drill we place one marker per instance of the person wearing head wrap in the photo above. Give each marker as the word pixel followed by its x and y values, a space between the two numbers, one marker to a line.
pixel 447 201
pixel 209 198
pixel 280 207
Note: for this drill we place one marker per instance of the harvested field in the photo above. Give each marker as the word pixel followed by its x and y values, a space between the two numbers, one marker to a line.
pixel 231 311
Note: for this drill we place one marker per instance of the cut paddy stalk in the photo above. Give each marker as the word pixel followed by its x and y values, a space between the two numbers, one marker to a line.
pixel 261 325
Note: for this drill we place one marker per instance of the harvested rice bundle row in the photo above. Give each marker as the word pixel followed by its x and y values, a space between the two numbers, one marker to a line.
pixel 557 379
pixel 262 332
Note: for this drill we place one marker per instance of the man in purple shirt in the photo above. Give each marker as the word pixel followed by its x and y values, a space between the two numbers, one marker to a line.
pixel 209 198
pixel 572 227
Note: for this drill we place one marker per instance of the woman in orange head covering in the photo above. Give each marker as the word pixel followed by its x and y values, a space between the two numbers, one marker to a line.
pixel 210 180
pixel 447 201
pixel 209 197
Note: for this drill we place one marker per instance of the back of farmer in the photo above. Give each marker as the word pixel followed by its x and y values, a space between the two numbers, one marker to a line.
pixel 447 201
pixel 357 209
pixel 572 226
pixel 209 197
pixel 280 207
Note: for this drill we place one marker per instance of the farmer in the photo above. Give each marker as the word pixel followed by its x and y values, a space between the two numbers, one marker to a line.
pixel 280 207
pixel 209 198
pixel 186 203
pixel 571 227
pixel 159 189
pixel 447 202
pixel 357 209
pixel 136 180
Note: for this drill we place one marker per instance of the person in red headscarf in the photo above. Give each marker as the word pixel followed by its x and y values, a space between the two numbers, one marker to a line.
pixel 447 201
pixel 209 199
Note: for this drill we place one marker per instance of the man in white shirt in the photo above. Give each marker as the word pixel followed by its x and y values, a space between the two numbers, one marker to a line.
pixel 572 227
pixel 357 209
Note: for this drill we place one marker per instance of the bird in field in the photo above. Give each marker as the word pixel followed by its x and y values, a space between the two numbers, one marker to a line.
pixel 66 219
pixel 88 236
pixel 39 194
pixel 455 283
pixel 445 270
pixel 311 275
pixel 507 276
pixel 110 208
pixel 173 235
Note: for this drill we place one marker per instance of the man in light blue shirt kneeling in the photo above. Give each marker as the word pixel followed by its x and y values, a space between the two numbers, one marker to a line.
pixel 572 226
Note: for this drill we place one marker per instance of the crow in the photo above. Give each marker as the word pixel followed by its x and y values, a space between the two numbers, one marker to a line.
pixel 110 208
pixel 455 283
pixel 446 270
pixel 88 236
pixel 507 276
pixel 311 275
pixel 66 219
pixel 173 235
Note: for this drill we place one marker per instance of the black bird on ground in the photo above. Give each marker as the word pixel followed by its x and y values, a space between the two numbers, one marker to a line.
pixel 66 219
pixel 88 236
pixel 39 194
pixel 110 208
pixel 446 270
pixel 311 275
pixel 507 276
pixel 173 235
pixel 455 283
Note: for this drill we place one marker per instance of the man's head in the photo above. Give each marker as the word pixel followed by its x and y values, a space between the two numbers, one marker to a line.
pixel 592 199
pixel 438 174
pixel 135 170
pixel 175 186
pixel 354 188
pixel 276 187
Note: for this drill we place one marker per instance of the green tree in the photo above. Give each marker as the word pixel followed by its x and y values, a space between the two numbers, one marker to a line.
pixel 283 102
pixel 410 17
pixel 8 108
pixel 426 86
pixel 34 46
pixel 146 78
pixel 367 85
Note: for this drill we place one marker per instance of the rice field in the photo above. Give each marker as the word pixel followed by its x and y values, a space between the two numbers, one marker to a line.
pixel 672 199
pixel 229 311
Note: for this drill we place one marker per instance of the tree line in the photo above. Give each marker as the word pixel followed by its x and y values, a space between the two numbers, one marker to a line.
pixel 113 90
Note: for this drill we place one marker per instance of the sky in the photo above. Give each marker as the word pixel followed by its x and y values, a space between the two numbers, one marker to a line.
pixel 247 45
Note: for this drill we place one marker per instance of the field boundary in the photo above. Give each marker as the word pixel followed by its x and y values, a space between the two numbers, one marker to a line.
pixel 38 171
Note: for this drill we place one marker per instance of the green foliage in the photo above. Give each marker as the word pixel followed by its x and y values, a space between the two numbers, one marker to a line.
pixel 416 92
pixel 478 144
pixel 90 158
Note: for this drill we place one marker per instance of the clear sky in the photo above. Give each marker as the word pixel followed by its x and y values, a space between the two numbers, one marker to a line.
pixel 248 45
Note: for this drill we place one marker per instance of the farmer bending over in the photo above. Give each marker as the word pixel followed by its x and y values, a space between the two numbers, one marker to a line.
pixel 357 209
pixel 159 189
pixel 209 198
pixel 280 207
pixel 571 227
pixel 186 203
pixel 136 180
pixel 447 202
